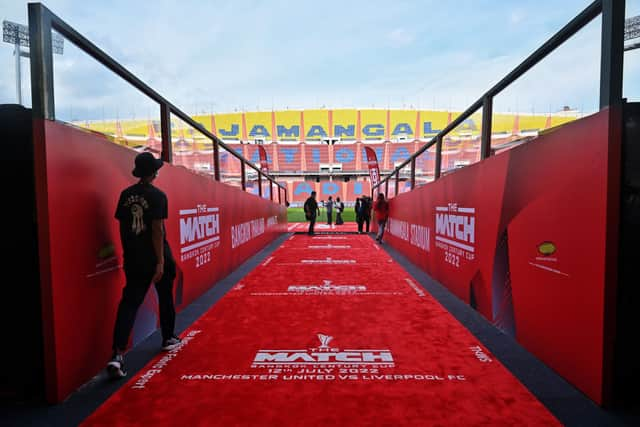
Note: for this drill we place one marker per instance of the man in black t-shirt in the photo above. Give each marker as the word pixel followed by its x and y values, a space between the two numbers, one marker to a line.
pixel 365 211
pixel 142 209
pixel 311 211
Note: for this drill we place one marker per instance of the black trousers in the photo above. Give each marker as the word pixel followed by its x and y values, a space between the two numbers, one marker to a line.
pixel 381 225
pixel 312 223
pixel 138 282
pixel 329 215
pixel 367 220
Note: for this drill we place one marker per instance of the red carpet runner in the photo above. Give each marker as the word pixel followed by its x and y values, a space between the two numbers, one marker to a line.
pixel 328 330
pixel 323 227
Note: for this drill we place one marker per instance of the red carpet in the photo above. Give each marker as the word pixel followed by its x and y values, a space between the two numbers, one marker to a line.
pixel 347 339
pixel 347 227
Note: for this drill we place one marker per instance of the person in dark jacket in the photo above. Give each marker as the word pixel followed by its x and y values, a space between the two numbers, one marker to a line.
pixel 142 209
pixel 311 211
pixel 357 207
pixel 339 210
pixel 365 211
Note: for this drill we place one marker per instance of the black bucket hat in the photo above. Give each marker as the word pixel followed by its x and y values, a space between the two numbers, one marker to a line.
pixel 146 165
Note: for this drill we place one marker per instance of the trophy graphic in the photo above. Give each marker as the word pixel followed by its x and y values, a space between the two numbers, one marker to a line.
pixel 324 340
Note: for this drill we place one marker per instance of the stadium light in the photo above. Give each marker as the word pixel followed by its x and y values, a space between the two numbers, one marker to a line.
pixel 632 31
pixel 18 35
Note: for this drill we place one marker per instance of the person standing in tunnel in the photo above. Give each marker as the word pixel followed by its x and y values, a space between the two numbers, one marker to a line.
pixel 142 209
pixel 339 210
pixel 365 211
pixel 357 207
pixel 329 208
pixel 381 209
pixel 311 211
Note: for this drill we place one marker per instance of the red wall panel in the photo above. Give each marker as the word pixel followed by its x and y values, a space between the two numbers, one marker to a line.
pixel 522 237
pixel 79 178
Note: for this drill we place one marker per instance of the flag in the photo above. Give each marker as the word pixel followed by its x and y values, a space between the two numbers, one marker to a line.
pixel 374 171
pixel 264 165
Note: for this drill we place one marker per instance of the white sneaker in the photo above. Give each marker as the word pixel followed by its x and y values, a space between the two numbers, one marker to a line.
pixel 115 367
pixel 171 343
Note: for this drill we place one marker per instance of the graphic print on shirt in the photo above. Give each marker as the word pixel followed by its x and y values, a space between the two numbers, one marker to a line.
pixel 137 204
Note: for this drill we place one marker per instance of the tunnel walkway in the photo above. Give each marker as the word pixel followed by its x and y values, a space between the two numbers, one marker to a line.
pixel 325 330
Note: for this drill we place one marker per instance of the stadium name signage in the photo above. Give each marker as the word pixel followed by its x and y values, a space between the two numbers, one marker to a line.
pixel 417 235
pixel 372 130
pixel 242 233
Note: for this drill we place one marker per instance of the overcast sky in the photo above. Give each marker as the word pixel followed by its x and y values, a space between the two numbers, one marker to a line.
pixel 257 55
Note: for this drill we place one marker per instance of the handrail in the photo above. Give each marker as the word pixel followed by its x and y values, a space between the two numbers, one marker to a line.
pixel 42 21
pixel 610 76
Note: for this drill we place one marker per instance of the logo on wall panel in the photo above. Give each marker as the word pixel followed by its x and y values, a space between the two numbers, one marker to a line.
pixel 455 232
pixel 547 253
pixel 547 248
pixel 106 260
pixel 199 233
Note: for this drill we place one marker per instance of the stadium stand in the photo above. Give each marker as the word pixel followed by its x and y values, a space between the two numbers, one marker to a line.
pixel 323 150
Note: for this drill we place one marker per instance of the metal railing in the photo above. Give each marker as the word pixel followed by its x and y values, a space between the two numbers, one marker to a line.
pixel 611 72
pixel 42 21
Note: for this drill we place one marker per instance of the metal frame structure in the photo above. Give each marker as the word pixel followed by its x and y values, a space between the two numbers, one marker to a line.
pixel 41 23
pixel 611 71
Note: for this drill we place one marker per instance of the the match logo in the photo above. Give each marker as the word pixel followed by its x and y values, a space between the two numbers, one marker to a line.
pixel 456 232
pixel 324 363
pixel 199 233
pixel 328 260
pixel 324 355
pixel 327 288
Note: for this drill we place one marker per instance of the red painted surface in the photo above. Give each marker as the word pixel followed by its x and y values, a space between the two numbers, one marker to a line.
pixel 79 178
pixel 439 376
pixel 542 216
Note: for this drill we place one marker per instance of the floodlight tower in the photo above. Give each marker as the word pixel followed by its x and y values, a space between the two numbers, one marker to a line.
pixel 632 31
pixel 18 35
